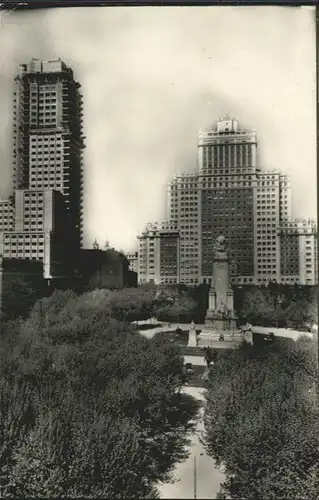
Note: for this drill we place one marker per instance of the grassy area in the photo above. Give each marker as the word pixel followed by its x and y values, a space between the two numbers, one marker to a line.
pixel 180 338
pixel 147 326
pixel 192 351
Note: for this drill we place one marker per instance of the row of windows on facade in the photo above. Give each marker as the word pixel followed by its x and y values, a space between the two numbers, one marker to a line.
pixel 23 237
pixel 28 240
pixel 238 181
pixel 44 184
pixel 53 179
pixel 235 212
pixel 41 149
pixel 266 196
pixel 222 154
pixel 6 210
pixel 26 255
pixel 261 263
pixel 47 167
pixel 42 101
pixel 219 145
pixel 223 162
pixel 43 108
pixel 46 139
pixel 231 152
pixel 44 121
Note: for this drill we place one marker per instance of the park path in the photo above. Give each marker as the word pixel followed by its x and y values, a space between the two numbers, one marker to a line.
pixel 208 476
pixel 278 332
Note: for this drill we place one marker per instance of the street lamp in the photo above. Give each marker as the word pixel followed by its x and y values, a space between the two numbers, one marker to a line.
pixel 195 479
pixel 195 476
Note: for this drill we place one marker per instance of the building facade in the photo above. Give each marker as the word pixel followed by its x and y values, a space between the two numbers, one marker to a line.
pixel 299 252
pixel 158 254
pixel 47 158
pixel 184 213
pixel 6 215
pixel 227 158
pixel 132 257
pixel 104 269
pixel 231 195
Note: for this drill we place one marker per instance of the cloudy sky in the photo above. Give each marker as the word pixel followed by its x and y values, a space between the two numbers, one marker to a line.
pixel 151 77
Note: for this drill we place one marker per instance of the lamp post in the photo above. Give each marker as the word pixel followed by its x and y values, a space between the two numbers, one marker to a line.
pixel 195 478
pixel 1 290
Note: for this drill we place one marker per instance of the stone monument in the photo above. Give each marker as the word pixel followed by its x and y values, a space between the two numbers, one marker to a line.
pixel 220 313
pixel 192 340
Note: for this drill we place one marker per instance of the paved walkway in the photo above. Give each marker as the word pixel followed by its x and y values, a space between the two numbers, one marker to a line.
pixel 195 360
pixel 209 477
pixel 278 332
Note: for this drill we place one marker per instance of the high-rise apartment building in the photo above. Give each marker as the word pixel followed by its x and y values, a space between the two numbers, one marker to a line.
pixel 231 195
pixel 6 215
pixel 298 251
pixel 47 166
pixel 227 158
pixel 184 212
pixel 158 254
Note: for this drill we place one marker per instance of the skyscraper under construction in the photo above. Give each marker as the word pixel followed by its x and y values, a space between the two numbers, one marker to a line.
pixel 46 206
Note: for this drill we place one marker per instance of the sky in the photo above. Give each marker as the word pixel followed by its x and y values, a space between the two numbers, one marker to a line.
pixel 151 78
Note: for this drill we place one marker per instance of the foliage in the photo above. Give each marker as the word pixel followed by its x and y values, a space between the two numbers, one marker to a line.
pixel 210 355
pixel 278 305
pixel 301 312
pixel 263 424
pixel 18 297
pixel 182 310
pixel 94 408
pixel 131 304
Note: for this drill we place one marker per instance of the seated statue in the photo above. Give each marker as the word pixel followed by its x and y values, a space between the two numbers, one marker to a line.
pixel 220 246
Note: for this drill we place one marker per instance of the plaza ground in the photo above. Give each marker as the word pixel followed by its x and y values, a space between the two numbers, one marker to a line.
pixel 170 327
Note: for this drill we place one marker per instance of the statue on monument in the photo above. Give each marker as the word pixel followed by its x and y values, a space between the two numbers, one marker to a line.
pixel 223 309
pixel 192 339
pixel 220 249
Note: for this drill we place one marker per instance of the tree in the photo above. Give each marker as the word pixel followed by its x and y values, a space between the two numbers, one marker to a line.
pixel 210 355
pixel 131 304
pixel 18 297
pixel 302 312
pixel 88 455
pixel 181 310
pixel 108 419
pixel 263 424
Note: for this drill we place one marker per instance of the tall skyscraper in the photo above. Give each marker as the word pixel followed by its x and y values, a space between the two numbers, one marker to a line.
pixel 231 195
pixel 227 169
pixel 47 166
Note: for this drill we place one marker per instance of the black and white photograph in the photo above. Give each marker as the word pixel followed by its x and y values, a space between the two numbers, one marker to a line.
pixel 158 252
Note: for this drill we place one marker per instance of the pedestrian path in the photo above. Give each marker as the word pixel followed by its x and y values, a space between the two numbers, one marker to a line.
pixel 208 476
pixel 278 332
pixel 195 360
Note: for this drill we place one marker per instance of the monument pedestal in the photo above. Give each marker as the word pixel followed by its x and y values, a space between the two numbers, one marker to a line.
pixel 192 339
pixel 215 322
pixel 221 320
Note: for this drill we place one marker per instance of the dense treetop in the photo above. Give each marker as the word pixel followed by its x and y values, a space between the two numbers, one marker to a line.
pixel 93 408
pixel 262 420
